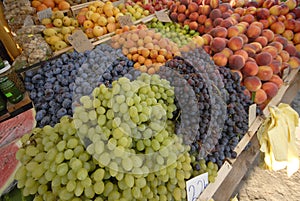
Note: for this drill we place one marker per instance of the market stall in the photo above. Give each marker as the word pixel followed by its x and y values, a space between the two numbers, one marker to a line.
pixel 141 100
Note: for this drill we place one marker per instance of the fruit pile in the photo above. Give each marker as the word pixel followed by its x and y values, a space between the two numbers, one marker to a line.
pixel 258 40
pixel 108 151
pixel 55 5
pixel 155 5
pixel 149 50
pixel 59 28
pixel 134 10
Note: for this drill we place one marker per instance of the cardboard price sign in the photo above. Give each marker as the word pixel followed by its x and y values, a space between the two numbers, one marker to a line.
pixel 116 3
pixel 125 21
pixel 47 13
pixel 162 16
pixel 80 42
pixel 195 186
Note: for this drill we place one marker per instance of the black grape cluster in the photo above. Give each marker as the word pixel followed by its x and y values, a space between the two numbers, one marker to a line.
pixel 205 110
pixel 51 87
pixel 236 123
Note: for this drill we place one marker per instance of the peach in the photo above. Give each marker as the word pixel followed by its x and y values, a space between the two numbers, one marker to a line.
pixel 218 44
pixel 236 62
pixel 208 22
pixel 270 88
pixel 296 38
pixel 268 3
pixel 215 13
pixel 262 40
pixel 252 83
pixel 219 32
pixel 250 49
pixel 244 37
pixel 225 7
pixel 181 8
pixel 243 53
pixel 263 58
pixel 232 31
pixel 205 9
pixel 250 68
pixel 276 80
pixel 285 56
pixel 297 26
pixel 214 4
pixel 217 21
pixel 193 25
pixel 207 39
pixel 260 96
pixel 226 23
pixel 294 62
pixel 275 10
pixel 290 49
pixel 181 17
pixel 284 9
pixel 247 93
pixel 239 10
pixel 236 16
pixel 226 15
pixel 259 24
pixel 257 46
pixel 220 59
pixel 235 43
pixel 278 46
pixel 262 13
pixel 207 49
pixel 288 34
pixel 253 31
pixel 290 16
pixel 186 22
pixel 281 40
pixel 201 19
pixel 194 16
pixel 272 19
pixel 251 10
pixel 248 18
pixel 291 4
pixel 297 47
pixel 239 74
pixel 265 23
pixel 276 65
pixel 268 34
pixel 271 49
pixel 264 73
pixel 201 29
pixel 277 27
pixel 192 7
pixel 227 52
pixel 290 24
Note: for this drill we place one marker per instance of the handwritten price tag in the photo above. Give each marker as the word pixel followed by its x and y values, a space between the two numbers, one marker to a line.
pixel 47 13
pixel 80 42
pixel 162 16
pixel 125 20
pixel 252 114
pixel 195 186
pixel 117 3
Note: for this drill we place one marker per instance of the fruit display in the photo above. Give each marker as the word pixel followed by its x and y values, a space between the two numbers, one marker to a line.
pixel 15 12
pixel 58 28
pixel 51 87
pixel 136 11
pixel 149 50
pixel 77 2
pixel 35 49
pixel 155 5
pixel 253 41
pixel 173 31
pixel 55 5
pixel 99 18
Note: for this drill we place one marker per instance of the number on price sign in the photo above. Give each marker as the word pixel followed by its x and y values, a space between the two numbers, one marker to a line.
pixel 195 186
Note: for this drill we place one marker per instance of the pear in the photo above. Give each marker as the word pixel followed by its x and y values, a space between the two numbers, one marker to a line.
pixel 72 28
pixel 57 15
pixel 74 23
pixel 47 39
pixel 49 32
pixel 65 30
pixel 58 23
pixel 53 39
pixel 60 45
pixel 46 21
pixel 66 38
pixel 61 36
pixel 66 21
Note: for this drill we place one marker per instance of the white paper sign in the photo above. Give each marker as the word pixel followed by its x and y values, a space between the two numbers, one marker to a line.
pixel 162 16
pixel 195 186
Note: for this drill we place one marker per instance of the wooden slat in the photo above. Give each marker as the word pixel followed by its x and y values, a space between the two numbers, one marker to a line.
pixel 238 170
pixel 213 187
pixel 13 107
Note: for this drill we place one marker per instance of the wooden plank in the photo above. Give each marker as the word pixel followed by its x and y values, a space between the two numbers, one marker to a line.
pixel 213 187
pixel 4 116
pixel 13 107
pixel 238 170
pixel 292 91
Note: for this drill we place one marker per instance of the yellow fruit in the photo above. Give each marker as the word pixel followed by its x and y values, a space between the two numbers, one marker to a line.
pixel 66 21
pixel 49 32
pixel 102 21
pixel 53 39
pixel 98 31
pixel 88 24
pixel 46 21
pixel 58 22
pixel 95 17
pixel 60 45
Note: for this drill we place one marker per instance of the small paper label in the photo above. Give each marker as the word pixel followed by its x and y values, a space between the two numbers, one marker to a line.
pixel 252 114
pixel 285 73
pixel 47 13
pixel 162 16
pixel 80 42
pixel 125 20
pixel 8 95
pixel 195 186
pixel 116 3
